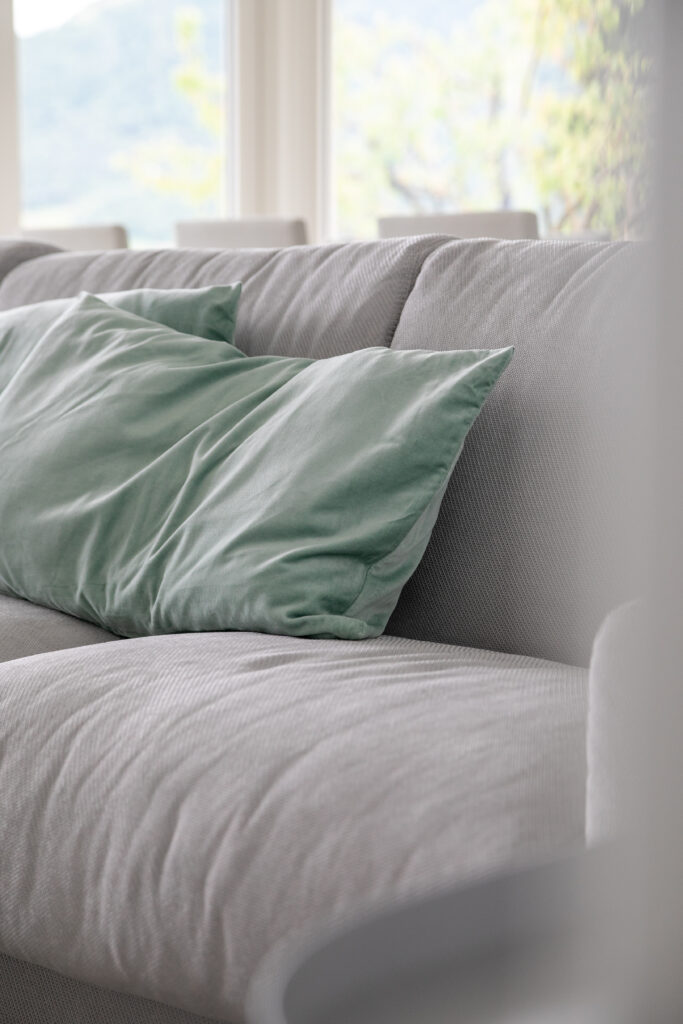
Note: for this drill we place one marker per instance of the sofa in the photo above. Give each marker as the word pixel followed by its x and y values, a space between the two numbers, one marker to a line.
pixel 171 807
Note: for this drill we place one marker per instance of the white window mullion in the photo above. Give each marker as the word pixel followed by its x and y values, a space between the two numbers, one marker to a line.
pixel 9 147
pixel 282 98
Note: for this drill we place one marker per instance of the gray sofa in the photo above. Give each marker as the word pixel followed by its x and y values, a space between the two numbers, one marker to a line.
pixel 171 807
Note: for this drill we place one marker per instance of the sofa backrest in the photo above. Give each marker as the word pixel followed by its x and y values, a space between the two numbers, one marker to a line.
pixel 302 301
pixel 518 557
pixel 523 557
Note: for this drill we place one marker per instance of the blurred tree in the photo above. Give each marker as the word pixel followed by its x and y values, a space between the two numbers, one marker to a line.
pixel 535 104
pixel 529 104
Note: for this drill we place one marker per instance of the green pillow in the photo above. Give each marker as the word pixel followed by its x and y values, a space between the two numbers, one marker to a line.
pixel 207 312
pixel 157 483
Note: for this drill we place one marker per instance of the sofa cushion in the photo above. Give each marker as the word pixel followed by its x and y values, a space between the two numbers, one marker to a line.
pixel 523 556
pixel 172 806
pixel 26 629
pixel 14 251
pixel 157 482
pixel 35 995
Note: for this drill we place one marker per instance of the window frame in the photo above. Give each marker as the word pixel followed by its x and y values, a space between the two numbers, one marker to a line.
pixel 278 116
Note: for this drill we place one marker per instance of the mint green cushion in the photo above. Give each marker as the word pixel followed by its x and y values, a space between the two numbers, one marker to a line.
pixel 155 482
pixel 207 312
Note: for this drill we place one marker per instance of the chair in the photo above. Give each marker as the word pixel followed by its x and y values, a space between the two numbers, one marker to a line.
pixel 581 236
pixel 491 224
pixel 85 238
pixel 243 233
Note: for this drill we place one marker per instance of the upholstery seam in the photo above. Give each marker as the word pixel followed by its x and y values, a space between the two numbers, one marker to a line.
pixel 418 262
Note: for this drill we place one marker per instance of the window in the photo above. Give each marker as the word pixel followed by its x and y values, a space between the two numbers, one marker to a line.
pixel 451 105
pixel 440 106
pixel 121 113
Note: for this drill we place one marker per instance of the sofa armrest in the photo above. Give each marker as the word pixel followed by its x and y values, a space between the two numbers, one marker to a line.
pixel 14 251
pixel 617 668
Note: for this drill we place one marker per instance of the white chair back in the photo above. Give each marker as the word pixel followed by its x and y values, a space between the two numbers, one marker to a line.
pixel 86 238
pixel 243 233
pixel 491 224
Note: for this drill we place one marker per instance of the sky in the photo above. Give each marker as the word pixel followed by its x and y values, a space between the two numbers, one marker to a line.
pixel 32 16
pixel 439 14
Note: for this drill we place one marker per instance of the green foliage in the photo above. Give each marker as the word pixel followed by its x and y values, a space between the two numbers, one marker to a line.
pixel 94 90
pixel 522 103
pixel 530 104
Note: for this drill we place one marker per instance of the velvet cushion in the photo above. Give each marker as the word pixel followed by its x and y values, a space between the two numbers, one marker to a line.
pixel 157 482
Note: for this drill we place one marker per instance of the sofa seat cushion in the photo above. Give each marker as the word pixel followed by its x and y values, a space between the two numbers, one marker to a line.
pixel 173 806
pixel 27 629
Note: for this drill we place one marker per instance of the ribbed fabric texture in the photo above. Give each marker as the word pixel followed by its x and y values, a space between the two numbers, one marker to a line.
pixel 34 995
pixel 178 804
pixel 27 629
pixel 315 302
pixel 523 556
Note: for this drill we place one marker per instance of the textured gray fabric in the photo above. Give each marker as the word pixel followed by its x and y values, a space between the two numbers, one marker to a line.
pixel 520 556
pixel 302 301
pixel 521 550
pixel 172 806
pixel 14 251
pixel 34 995
pixel 27 629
